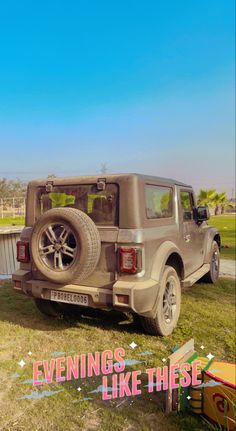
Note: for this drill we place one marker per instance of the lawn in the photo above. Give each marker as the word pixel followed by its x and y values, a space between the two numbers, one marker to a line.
pixel 24 329
pixel 226 226
pixel 10 221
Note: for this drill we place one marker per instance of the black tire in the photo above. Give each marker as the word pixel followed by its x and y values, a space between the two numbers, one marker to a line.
pixel 57 309
pixel 63 260
pixel 163 324
pixel 213 275
pixel 48 308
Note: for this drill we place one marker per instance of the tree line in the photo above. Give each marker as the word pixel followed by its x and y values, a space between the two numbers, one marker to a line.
pixel 12 188
pixel 217 201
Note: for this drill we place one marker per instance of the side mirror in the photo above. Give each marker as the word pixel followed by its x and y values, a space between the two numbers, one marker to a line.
pixel 202 214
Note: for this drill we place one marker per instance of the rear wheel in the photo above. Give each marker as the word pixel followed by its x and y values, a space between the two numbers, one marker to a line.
pixel 56 309
pixel 168 305
pixel 48 308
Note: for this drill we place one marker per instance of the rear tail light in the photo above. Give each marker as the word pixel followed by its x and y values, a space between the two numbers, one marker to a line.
pixel 128 260
pixel 23 251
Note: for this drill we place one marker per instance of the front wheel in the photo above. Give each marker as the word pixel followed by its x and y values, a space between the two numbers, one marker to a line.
pixel 213 275
pixel 168 305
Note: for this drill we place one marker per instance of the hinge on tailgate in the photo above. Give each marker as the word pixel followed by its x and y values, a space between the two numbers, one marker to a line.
pixel 101 183
pixel 49 186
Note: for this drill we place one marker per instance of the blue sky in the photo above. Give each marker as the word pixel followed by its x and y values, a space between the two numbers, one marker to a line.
pixel 144 86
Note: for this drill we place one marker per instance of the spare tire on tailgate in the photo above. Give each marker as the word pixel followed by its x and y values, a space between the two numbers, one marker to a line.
pixel 65 245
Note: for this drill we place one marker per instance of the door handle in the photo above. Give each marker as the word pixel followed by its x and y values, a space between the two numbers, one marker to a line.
pixel 187 238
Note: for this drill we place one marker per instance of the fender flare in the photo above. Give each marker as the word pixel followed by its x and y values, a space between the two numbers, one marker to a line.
pixel 161 256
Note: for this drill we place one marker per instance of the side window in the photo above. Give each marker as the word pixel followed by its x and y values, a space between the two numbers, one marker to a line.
pixel 159 202
pixel 186 200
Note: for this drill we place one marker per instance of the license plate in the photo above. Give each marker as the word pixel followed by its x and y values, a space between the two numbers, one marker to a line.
pixel 70 298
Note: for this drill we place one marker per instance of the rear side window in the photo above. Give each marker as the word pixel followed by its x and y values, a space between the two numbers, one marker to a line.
pixel 100 206
pixel 159 202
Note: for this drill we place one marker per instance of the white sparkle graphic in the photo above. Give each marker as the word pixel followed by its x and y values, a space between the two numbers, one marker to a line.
pixel 79 389
pixel 202 347
pixel 210 356
pixel 188 397
pixel 164 360
pixel 29 353
pixel 133 345
pixel 22 363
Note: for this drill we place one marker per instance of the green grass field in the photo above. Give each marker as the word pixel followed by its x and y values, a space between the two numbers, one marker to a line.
pixel 24 329
pixel 226 226
pixel 10 221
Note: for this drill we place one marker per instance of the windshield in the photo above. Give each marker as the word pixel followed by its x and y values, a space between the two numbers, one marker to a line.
pixel 100 206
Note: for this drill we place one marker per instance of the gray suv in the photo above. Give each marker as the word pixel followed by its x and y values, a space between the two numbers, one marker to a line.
pixel 128 242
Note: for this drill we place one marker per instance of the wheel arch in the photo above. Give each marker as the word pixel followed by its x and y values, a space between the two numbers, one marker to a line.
pixel 217 238
pixel 167 254
pixel 176 261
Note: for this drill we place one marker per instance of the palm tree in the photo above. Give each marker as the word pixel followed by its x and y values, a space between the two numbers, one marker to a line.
pixel 217 202
pixel 221 201
pixel 206 197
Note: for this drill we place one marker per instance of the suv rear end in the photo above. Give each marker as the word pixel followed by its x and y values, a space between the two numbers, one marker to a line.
pixel 112 205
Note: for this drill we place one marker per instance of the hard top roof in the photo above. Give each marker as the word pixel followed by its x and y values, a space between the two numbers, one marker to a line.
pixel 162 179
pixel 109 177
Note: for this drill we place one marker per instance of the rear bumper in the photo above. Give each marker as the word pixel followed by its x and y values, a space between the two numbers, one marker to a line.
pixel 140 296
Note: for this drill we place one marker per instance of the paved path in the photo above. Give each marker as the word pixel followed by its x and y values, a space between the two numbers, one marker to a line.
pixel 227 268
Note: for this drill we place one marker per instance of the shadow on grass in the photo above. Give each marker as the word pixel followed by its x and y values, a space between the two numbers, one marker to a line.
pixel 21 310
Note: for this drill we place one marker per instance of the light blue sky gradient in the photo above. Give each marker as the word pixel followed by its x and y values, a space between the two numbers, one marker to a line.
pixel 145 86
